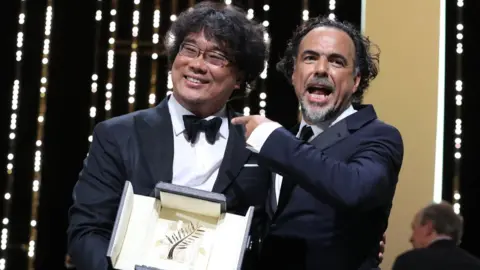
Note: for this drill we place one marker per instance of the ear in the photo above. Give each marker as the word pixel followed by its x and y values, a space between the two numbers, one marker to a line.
pixel 356 82
pixel 293 71
pixel 240 80
pixel 429 227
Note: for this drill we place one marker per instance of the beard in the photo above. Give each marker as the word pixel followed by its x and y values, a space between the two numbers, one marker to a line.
pixel 315 113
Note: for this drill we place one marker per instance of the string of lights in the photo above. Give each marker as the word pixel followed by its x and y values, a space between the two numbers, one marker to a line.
pixel 458 109
pixel 331 7
pixel 12 143
pixel 305 12
pixel 152 98
pixel 94 85
pixel 133 56
pixel 263 76
pixel 173 17
pixel 42 107
pixel 111 59
pixel 250 16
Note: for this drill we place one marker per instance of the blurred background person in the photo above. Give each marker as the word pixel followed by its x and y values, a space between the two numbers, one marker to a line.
pixel 436 234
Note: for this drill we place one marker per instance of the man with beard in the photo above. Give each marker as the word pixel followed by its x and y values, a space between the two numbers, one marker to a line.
pixel 187 139
pixel 336 178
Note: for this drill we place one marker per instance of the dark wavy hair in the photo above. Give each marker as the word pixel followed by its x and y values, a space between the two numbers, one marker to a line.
pixel 228 25
pixel 366 60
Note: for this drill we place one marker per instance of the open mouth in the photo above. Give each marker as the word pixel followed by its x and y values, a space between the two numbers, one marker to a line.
pixel 319 93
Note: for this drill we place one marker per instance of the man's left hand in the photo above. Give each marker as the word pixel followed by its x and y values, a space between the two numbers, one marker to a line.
pixel 250 122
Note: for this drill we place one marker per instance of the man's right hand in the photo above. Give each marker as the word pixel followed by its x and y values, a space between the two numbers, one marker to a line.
pixel 382 247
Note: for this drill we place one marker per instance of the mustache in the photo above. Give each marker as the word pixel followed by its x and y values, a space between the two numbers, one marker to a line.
pixel 321 82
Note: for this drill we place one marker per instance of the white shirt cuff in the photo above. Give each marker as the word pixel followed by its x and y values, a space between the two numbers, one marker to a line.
pixel 260 135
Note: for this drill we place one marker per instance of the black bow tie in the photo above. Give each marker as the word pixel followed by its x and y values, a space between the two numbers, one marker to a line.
pixel 194 124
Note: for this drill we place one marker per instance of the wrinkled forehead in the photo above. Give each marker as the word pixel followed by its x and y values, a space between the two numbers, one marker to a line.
pixel 328 40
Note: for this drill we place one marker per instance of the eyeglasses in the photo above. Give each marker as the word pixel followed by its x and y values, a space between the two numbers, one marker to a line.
pixel 211 57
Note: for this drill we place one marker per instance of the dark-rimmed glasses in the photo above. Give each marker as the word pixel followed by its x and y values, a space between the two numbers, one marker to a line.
pixel 211 57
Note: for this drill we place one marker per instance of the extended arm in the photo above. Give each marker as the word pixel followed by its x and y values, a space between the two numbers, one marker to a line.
pixel 366 180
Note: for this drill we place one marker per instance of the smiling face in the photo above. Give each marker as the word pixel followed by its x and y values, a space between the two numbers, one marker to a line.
pixel 203 78
pixel 324 74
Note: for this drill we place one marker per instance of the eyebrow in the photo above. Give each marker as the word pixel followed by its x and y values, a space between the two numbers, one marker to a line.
pixel 335 55
pixel 212 48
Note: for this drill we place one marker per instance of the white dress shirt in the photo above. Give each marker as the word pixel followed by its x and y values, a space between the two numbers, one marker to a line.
pixel 261 133
pixel 196 164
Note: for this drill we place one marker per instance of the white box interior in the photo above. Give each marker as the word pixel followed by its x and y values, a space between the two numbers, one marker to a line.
pixel 144 222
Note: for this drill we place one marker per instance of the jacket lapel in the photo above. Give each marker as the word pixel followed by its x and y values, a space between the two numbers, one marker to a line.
pixel 329 137
pixel 286 186
pixel 155 134
pixel 325 139
pixel 334 134
pixel 272 196
pixel 235 155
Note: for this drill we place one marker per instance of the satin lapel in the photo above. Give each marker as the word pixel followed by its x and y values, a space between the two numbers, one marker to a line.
pixel 272 195
pixel 285 193
pixel 155 134
pixel 236 154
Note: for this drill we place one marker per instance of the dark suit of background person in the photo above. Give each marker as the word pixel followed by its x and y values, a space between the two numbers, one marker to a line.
pixel 440 255
pixel 337 190
pixel 436 234
pixel 153 145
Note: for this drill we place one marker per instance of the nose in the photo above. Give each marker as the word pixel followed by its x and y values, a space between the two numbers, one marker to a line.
pixel 198 64
pixel 321 67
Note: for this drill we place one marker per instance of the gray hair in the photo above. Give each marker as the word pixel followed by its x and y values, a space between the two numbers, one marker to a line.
pixel 444 220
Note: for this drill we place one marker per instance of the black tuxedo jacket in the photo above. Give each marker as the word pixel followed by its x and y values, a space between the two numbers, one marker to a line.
pixel 440 255
pixel 138 147
pixel 336 194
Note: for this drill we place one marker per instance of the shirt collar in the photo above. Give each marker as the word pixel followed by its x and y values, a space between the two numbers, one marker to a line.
pixel 320 127
pixel 177 111
pixel 439 238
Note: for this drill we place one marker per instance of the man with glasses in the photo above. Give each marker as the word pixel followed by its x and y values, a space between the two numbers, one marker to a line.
pixel 213 50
